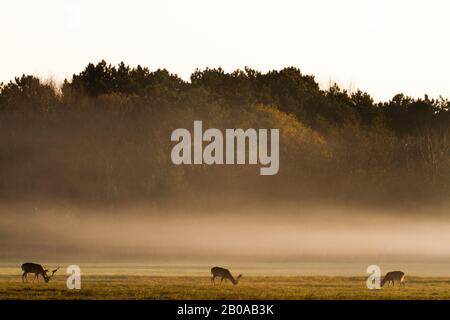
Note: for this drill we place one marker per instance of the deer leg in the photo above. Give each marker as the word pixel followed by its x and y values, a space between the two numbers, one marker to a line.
pixel 213 279
pixel 221 280
pixel 23 277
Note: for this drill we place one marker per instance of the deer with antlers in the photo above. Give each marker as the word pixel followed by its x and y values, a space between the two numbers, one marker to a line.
pixel 37 270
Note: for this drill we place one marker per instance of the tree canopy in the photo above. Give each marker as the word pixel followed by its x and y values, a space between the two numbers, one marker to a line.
pixel 104 136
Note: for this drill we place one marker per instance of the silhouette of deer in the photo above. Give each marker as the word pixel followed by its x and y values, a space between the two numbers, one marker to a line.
pixel 37 269
pixel 392 277
pixel 224 274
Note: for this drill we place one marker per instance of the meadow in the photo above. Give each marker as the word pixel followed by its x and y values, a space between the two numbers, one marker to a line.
pixel 113 284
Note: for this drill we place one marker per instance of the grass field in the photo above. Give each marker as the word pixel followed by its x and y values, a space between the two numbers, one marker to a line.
pixel 196 287
pixel 299 281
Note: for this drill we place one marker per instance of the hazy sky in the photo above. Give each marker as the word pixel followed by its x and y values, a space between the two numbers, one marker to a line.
pixel 383 47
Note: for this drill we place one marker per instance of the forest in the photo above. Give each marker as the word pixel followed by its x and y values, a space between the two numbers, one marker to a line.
pixel 103 136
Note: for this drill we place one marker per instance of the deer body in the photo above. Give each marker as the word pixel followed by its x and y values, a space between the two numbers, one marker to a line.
pixel 392 277
pixel 224 274
pixel 37 270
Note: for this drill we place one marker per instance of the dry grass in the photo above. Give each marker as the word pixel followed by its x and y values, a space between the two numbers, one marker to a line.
pixel 194 287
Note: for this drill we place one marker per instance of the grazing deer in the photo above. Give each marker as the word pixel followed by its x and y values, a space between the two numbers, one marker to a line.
pixel 224 274
pixel 392 277
pixel 37 269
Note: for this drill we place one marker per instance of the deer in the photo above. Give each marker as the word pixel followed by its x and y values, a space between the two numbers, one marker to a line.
pixel 224 274
pixel 392 277
pixel 37 269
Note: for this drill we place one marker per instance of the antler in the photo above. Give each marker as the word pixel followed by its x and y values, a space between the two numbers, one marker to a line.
pixel 53 272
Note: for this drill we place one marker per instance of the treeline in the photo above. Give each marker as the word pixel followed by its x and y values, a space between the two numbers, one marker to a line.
pixel 104 135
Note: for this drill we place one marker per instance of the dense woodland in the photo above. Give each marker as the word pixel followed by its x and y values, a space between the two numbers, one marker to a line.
pixel 104 136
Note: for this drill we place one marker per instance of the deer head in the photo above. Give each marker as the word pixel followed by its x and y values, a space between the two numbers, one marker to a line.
pixel 47 277
pixel 235 281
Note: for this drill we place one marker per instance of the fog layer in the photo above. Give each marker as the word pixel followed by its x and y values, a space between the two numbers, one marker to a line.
pixel 271 235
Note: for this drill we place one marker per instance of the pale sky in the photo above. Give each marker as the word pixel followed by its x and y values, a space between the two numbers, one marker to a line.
pixel 382 47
